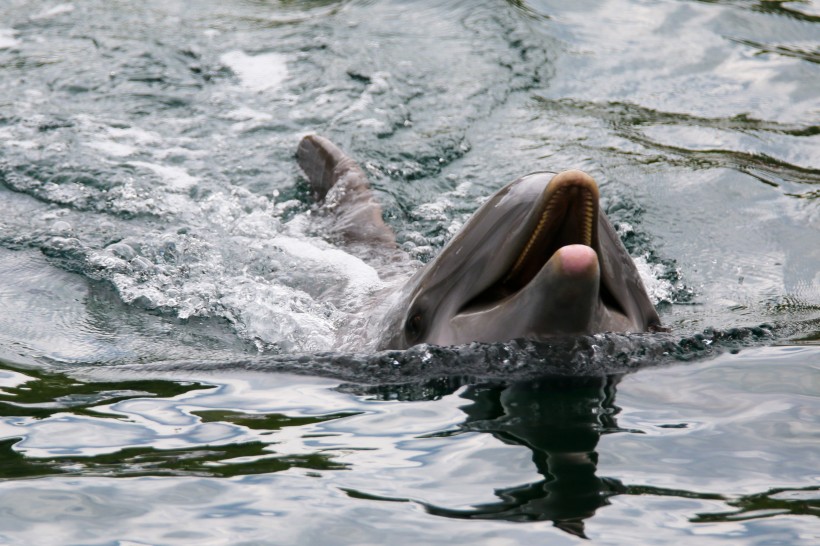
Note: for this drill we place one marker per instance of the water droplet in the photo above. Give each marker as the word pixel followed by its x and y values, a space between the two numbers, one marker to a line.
pixel 123 250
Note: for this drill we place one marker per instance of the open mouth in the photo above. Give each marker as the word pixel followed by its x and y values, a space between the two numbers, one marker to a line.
pixel 567 214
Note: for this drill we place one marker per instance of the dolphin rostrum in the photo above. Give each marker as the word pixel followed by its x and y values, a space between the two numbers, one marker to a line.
pixel 538 259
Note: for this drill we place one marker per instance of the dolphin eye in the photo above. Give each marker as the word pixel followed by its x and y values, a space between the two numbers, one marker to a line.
pixel 413 326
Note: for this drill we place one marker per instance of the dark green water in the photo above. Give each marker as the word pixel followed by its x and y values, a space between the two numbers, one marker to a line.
pixel 186 355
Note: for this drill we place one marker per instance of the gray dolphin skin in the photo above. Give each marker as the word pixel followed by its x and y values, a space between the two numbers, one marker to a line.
pixel 537 260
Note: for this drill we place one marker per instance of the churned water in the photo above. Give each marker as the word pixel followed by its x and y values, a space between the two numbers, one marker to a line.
pixel 186 353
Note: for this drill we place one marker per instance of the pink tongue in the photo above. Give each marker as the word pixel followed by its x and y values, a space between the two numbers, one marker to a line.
pixel 577 259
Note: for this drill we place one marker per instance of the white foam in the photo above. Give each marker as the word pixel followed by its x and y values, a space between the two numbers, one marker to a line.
pixel 257 72
pixel 274 312
pixel 379 84
pixel 112 148
pixel 116 141
pixel 247 119
pixel 177 177
pixel 59 9
pixel 362 277
pixel 178 152
pixel 7 39
pixel 134 134
pixel 279 286
pixel 247 114
pixel 9 138
pixel 659 289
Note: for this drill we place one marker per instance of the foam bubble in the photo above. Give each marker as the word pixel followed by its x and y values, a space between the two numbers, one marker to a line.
pixel 112 148
pixel 659 289
pixel 7 39
pixel 247 119
pixel 177 177
pixel 134 134
pixel 257 72
pixel 59 9
pixel 352 267
pixel 276 313
pixel 246 114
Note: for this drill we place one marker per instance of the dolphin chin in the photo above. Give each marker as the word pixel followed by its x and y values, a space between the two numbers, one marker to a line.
pixel 538 259
pixel 564 293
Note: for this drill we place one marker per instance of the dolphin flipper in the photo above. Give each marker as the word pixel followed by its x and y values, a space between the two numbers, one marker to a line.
pixel 342 185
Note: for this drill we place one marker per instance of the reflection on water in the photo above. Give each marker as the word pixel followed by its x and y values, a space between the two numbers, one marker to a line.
pixel 561 451
pixel 560 420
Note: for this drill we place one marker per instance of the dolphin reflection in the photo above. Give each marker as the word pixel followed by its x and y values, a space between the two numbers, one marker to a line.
pixel 560 420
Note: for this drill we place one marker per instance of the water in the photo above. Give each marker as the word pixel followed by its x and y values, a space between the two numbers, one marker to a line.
pixel 187 354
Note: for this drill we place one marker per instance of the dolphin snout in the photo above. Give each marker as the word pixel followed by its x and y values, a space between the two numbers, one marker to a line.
pixel 578 260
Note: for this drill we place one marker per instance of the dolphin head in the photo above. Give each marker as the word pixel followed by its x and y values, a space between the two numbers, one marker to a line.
pixel 538 259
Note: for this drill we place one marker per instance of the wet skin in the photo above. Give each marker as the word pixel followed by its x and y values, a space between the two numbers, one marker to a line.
pixel 538 259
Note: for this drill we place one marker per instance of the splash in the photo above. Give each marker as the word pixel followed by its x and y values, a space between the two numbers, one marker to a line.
pixel 517 360
pixel 257 72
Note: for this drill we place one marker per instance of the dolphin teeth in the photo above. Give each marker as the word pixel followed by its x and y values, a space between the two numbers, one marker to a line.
pixel 587 220
pixel 589 210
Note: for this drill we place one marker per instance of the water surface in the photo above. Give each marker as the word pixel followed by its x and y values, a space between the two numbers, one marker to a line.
pixel 187 353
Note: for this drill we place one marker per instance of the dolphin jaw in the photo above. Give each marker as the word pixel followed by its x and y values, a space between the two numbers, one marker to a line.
pixel 566 214
pixel 563 295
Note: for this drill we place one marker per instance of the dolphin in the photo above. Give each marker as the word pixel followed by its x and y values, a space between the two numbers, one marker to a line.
pixel 538 259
